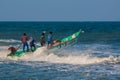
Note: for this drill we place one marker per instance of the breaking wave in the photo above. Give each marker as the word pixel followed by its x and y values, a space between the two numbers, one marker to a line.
pixel 10 40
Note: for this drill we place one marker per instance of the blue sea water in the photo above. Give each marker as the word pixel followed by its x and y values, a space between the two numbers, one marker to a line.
pixel 95 55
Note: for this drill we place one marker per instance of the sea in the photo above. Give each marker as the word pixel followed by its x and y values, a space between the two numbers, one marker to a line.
pixel 94 56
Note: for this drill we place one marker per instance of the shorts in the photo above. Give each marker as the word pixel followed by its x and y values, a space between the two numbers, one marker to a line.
pixel 50 42
pixel 32 45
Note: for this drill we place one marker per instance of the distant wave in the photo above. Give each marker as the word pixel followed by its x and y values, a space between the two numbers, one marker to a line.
pixel 9 40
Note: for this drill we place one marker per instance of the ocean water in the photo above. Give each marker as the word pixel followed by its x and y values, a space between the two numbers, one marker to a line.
pixel 95 55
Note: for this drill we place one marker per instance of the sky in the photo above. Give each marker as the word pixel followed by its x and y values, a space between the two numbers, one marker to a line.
pixel 59 10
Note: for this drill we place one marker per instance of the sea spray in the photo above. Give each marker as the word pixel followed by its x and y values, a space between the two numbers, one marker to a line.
pixel 41 54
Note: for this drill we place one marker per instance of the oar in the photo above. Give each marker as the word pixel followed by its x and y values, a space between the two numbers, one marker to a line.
pixel 19 46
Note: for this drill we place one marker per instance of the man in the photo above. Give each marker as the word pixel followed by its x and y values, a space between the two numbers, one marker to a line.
pixel 42 39
pixel 12 50
pixel 32 43
pixel 50 39
pixel 24 40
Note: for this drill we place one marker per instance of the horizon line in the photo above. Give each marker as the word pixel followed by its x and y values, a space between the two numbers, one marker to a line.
pixel 59 21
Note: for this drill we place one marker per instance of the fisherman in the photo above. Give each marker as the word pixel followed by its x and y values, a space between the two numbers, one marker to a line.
pixel 42 39
pixel 50 40
pixel 24 40
pixel 32 44
pixel 12 50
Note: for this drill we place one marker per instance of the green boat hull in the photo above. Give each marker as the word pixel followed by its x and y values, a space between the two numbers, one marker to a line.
pixel 20 53
pixel 71 37
pixel 66 42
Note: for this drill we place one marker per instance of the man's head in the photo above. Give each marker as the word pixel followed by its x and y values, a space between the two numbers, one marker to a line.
pixel 51 32
pixel 30 36
pixel 24 34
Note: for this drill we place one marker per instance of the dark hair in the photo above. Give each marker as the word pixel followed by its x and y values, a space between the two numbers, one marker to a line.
pixel 43 33
pixel 51 32
pixel 24 34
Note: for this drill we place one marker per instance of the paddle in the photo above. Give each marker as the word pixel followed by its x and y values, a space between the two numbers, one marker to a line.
pixel 19 46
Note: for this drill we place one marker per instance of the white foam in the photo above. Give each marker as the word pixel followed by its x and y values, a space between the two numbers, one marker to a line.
pixel 9 40
pixel 75 60
pixel 35 55
pixel 41 54
pixel 3 47
pixel 72 57
pixel 3 54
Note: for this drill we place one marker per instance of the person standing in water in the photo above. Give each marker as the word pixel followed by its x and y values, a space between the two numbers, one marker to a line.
pixel 42 39
pixel 24 40
pixel 50 39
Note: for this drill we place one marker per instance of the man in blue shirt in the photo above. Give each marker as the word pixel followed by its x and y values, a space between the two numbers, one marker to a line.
pixel 32 43
pixel 50 39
